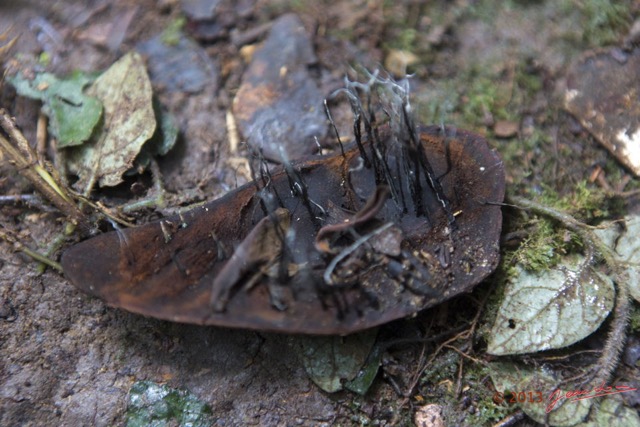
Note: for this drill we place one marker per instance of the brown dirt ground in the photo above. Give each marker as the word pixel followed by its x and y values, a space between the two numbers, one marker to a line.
pixel 67 359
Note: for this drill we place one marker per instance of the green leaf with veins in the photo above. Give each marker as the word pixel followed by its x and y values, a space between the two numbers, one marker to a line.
pixel 73 115
pixel 613 413
pixel 511 378
pixel 552 309
pixel 626 246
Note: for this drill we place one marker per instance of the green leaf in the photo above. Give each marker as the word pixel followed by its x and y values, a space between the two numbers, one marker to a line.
pixel 508 377
pixel 331 361
pixel 129 121
pixel 626 246
pixel 550 310
pixel 151 404
pixel 613 413
pixel 367 373
pixel 163 139
pixel 73 115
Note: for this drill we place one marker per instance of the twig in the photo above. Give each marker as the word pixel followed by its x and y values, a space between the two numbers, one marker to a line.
pixel 20 153
pixel 5 235
pixel 156 199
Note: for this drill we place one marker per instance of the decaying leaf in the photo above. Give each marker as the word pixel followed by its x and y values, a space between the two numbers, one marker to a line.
pixel 73 115
pixel 332 361
pixel 167 269
pixel 409 247
pixel 552 309
pixel 129 121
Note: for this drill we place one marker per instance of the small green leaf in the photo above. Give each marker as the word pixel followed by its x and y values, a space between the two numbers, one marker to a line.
pixel 331 361
pixel 151 404
pixel 129 121
pixel 173 32
pixel 73 115
pixel 553 309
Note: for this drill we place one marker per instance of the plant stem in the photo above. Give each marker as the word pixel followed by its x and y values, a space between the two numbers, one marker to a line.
pixel 20 153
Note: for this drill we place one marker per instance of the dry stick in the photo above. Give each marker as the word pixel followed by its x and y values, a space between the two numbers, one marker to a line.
pixel 608 361
pixel 21 154
pixel 7 47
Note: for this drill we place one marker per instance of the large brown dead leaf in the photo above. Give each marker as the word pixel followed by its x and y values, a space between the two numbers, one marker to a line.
pixel 363 277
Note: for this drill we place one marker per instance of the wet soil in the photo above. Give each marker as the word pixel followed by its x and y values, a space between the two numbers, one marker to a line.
pixel 68 359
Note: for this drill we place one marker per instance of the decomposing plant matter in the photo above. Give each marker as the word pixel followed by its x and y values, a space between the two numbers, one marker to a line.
pixel 402 219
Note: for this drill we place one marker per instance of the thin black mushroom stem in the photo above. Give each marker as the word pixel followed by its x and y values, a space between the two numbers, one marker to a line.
pixel 413 158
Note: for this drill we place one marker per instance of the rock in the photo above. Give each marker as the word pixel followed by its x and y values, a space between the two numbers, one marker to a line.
pixel 506 128
pixel 602 93
pixel 279 107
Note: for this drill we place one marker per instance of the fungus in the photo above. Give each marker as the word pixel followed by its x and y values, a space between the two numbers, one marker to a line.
pixel 400 220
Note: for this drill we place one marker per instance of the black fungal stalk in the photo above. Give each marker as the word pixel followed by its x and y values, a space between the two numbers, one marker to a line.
pixel 393 99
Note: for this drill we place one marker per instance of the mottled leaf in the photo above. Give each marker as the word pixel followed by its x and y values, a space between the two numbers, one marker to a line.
pixel 73 115
pixel 626 246
pixel 552 309
pixel 129 121
pixel 510 378
pixel 331 361
pixel 613 413
pixel 151 404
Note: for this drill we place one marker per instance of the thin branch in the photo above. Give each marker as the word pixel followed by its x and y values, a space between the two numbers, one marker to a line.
pixel 20 154
pixel 7 236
